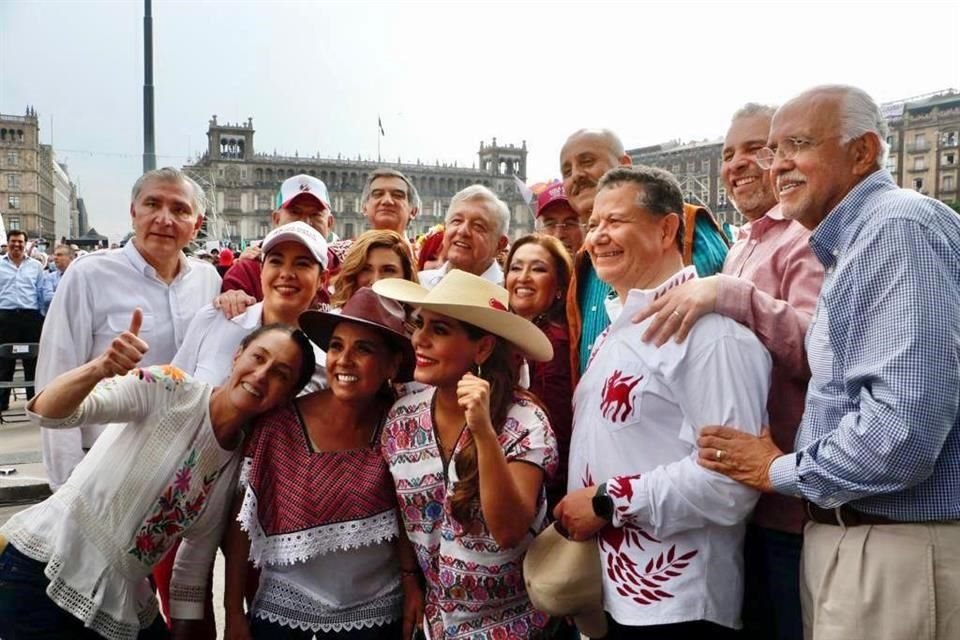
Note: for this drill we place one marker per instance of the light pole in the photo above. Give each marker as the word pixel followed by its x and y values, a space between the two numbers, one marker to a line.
pixel 149 153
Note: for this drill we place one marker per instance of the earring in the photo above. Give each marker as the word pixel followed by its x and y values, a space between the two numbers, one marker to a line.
pixel 479 371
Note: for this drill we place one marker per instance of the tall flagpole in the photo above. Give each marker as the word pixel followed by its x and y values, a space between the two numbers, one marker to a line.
pixel 379 133
pixel 149 155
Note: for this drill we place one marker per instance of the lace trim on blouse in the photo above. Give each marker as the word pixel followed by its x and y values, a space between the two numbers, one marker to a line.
pixel 300 546
pixel 282 603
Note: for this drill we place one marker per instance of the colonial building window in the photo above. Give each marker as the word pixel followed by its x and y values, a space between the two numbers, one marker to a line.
pixel 13 202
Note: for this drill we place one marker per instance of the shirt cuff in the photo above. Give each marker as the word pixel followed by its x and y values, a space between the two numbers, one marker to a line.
pixel 783 475
pixel 733 297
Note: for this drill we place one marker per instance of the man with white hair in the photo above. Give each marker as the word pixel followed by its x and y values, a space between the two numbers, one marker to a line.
pixel 98 293
pixel 475 231
pixel 877 455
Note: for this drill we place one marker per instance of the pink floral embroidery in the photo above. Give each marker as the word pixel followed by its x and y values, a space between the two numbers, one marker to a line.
pixel 173 513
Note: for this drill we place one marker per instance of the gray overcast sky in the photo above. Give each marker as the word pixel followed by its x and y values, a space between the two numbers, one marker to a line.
pixel 442 75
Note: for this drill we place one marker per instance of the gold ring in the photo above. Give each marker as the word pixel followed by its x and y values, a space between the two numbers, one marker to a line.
pixel 719 455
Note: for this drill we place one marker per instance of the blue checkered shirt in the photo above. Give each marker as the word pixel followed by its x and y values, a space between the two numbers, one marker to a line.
pixel 880 428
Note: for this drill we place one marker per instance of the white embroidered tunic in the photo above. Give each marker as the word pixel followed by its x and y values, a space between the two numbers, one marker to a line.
pixel 144 485
pixel 673 552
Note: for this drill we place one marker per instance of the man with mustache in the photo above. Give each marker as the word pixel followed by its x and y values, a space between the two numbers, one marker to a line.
pixel 877 455
pixel 770 282
pixel 584 158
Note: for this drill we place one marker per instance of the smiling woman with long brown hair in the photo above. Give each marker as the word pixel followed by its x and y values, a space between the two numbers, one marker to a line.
pixel 469 455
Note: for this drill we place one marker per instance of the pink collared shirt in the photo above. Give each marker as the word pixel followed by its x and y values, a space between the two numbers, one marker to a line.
pixel 770 283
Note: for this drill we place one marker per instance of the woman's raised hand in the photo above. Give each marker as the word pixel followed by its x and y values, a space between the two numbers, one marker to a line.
pixel 473 395
pixel 125 351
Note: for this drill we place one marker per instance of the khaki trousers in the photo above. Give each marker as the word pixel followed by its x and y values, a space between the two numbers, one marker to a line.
pixel 881 582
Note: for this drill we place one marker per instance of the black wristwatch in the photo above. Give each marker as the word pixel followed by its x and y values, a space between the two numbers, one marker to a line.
pixel 602 503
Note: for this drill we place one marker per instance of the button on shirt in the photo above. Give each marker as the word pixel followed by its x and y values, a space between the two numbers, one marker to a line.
pixel 94 303
pixel 20 285
pixel 880 429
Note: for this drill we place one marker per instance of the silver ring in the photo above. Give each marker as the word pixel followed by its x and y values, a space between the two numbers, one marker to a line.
pixel 719 455
pixel 676 312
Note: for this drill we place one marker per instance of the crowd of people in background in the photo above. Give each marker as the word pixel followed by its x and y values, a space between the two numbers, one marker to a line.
pixel 632 423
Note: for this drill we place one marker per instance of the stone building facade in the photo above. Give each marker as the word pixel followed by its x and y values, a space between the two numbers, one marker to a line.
pixel 26 177
pixel 925 144
pixel 243 184
pixel 696 166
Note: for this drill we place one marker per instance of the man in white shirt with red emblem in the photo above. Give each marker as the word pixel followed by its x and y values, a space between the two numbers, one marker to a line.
pixel 99 292
pixel 669 533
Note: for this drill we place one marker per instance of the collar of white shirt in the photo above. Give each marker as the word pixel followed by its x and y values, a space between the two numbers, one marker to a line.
pixel 140 263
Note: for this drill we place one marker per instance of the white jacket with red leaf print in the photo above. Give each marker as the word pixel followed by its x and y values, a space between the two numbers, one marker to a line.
pixel 673 552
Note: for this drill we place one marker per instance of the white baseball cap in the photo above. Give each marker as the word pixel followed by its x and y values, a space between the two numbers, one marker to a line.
pixel 298 232
pixel 303 184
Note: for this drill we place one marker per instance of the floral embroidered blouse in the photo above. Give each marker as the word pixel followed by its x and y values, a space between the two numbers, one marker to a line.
pixel 475 588
pixel 145 484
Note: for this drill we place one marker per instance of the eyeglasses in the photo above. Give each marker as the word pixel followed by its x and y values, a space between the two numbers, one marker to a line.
pixel 788 149
pixel 553 225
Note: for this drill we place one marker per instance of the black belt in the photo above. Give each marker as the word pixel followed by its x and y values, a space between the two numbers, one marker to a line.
pixel 846 515
pixel 19 311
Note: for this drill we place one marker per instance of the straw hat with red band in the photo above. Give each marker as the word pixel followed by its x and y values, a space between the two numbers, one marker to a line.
pixel 367 308
pixel 471 299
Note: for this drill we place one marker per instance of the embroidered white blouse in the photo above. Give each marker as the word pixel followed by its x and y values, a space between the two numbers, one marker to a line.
pixel 160 477
pixel 674 550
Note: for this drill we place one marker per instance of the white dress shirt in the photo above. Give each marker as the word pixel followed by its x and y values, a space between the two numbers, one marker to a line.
pixel 212 341
pixel 673 552
pixel 94 303
pixel 431 277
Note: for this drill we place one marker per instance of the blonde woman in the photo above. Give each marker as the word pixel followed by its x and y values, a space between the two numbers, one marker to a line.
pixel 375 255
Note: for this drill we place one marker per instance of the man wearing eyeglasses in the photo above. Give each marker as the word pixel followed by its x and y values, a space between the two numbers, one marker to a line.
pixel 770 282
pixel 555 217
pixel 877 458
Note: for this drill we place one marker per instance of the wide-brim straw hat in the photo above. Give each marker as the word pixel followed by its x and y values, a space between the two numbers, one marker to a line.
pixel 474 300
pixel 367 308
pixel 564 578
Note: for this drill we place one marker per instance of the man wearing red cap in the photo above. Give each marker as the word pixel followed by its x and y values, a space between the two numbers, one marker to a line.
pixel 555 217
pixel 302 198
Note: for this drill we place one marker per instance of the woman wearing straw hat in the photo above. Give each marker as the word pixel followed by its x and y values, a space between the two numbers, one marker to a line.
pixel 319 507
pixel 469 455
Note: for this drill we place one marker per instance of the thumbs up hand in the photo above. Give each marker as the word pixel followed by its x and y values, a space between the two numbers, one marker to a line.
pixel 125 351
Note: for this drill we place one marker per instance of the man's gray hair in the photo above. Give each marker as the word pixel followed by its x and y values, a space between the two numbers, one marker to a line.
pixel 660 193
pixel 70 250
pixel 497 208
pixel 172 174
pixel 859 115
pixel 753 109
pixel 412 196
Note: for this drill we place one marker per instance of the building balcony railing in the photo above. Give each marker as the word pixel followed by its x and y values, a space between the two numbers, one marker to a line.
pixel 948 143
pixel 918 147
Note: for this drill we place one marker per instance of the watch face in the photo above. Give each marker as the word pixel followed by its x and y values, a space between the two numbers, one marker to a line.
pixel 603 506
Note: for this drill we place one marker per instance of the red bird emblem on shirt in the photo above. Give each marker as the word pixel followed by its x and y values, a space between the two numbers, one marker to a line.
pixel 616 404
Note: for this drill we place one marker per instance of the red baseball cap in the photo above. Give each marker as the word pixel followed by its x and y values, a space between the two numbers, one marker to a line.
pixel 550 197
